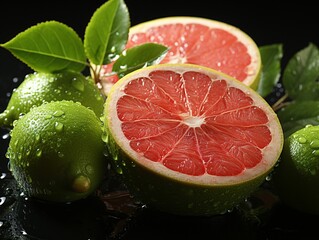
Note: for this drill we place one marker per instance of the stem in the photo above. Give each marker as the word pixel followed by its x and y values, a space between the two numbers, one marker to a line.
pixel 280 103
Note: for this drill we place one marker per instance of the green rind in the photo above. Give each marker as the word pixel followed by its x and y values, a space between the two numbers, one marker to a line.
pixel 296 177
pixel 38 88
pixel 45 162
pixel 172 196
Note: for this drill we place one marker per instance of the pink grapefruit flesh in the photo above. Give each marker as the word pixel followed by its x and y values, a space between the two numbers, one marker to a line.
pixel 200 41
pixel 193 125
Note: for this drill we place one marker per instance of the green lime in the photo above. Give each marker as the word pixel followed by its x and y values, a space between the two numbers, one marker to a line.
pixel 296 178
pixel 56 152
pixel 38 88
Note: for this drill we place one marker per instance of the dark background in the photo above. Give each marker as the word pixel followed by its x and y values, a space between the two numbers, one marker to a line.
pixel 294 25
pixel 267 22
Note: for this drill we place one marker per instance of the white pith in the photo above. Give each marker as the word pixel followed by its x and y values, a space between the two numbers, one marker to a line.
pixel 272 151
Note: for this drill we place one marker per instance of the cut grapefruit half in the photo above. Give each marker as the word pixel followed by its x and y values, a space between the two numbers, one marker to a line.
pixel 190 140
pixel 200 41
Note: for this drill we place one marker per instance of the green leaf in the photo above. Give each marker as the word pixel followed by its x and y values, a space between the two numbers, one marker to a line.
pixel 107 32
pixel 301 75
pixel 298 114
pixel 271 56
pixel 139 56
pixel 49 47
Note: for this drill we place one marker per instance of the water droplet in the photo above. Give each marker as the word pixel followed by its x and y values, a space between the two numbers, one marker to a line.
pixel 302 140
pixel 119 170
pixel 58 113
pixel 89 169
pixel 37 138
pixel 315 152
pixel 47 116
pixel 28 151
pixel 78 84
pixel 60 154
pixel 8 155
pixel 38 152
pixel 58 126
pixel 6 136
pixel 2 200
pixel 314 144
pixel 105 137
pixel 268 178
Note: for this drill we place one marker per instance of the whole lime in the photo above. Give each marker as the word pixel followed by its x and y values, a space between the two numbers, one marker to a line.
pixel 39 87
pixel 296 178
pixel 56 152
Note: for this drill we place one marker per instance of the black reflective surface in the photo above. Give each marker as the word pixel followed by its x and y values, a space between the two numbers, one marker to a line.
pixel 112 213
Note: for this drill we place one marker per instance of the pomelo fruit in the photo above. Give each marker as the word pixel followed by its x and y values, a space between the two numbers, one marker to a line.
pixel 188 139
pixel 296 178
pixel 200 41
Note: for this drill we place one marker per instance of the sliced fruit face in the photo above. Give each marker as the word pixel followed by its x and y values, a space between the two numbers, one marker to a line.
pixel 192 126
pixel 200 41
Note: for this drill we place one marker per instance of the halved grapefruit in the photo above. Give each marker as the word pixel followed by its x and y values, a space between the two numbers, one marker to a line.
pixel 190 140
pixel 200 41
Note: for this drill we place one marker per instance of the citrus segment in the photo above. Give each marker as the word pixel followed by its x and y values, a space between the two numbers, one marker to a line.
pixel 200 41
pixel 191 125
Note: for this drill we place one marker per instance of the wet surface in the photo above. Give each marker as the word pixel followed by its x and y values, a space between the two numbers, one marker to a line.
pixel 111 213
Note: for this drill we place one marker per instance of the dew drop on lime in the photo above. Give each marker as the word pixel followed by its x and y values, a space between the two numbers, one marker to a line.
pixel 89 168
pixel 58 113
pixel 37 138
pixel 119 170
pixel 302 140
pixel 314 144
pixel 58 126
pixel 315 152
pixel 28 151
pixel 78 84
pixel 105 137
pixel 38 152
pixel 47 116
pixel 9 166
